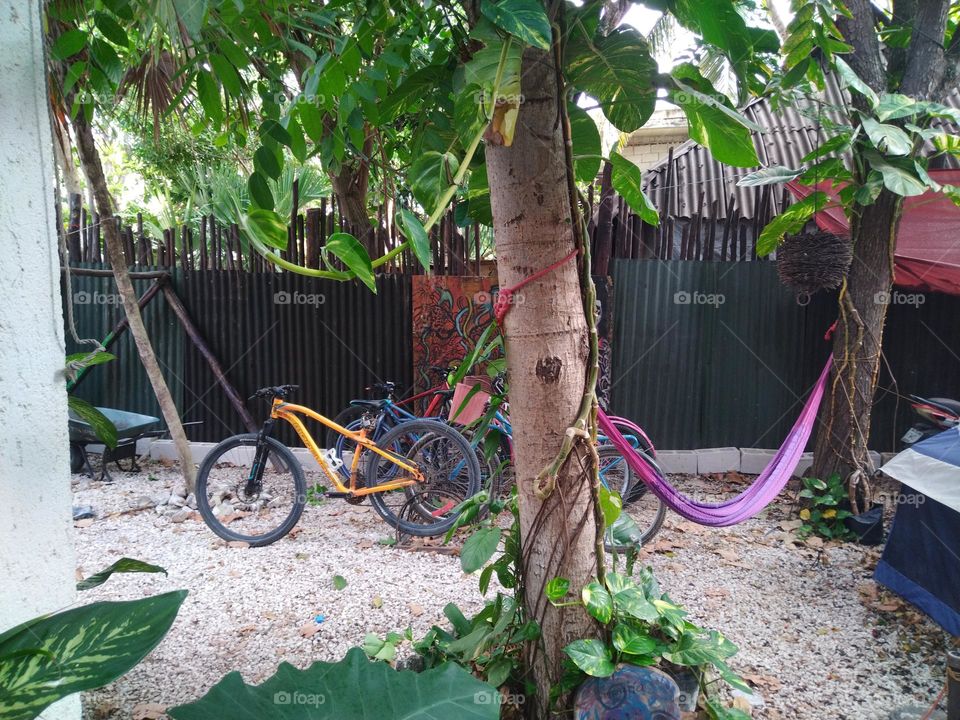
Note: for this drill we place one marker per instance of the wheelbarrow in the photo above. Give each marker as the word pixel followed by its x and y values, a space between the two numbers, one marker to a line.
pixel 130 428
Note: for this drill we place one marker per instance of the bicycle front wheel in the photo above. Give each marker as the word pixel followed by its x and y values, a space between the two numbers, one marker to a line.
pixel 240 509
pixel 450 469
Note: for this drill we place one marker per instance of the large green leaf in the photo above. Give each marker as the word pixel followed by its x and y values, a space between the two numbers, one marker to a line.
pixel 524 19
pixel 260 192
pixel 69 44
pixel 900 175
pixel 631 641
pixel 597 601
pixel 123 565
pixel 853 81
pixel 50 657
pixel 105 430
pixel 720 129
pixel 479 548
pixel 790 220
pixel 266 227
pixel 700 649
pixel 616 69
pixel 482 71
pixel 354 688
pixel 414 231
pixel 587 146
pixel 430 175
pixel 352 253
pixel 629 598
pixel 627 181
pixel 591 656
pixel 887 138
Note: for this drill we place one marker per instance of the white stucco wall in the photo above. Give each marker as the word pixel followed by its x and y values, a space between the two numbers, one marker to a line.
pixel 37 561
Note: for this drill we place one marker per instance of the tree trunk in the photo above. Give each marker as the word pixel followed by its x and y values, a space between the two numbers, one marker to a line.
pixel 350 187
pixel 90 159
pixel 844 427
pixel 547 352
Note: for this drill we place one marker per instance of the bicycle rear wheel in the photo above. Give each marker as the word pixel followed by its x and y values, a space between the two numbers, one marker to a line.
pixel 238 510
pixel 451 474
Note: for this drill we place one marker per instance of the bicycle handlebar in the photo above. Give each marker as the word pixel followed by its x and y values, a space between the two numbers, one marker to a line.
pixel 280 391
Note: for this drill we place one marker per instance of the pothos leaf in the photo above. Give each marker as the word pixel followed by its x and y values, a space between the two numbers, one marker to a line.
pixel 587 146
pixel 597 601
pixel 266 227
pixel 616 69
pixel 591 656
pixel 524 19
pixel 352 253
pixel 431 175
pixel 414 231
pixel 627 181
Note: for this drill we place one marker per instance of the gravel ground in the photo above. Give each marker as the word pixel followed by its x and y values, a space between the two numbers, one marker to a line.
pixel 817 638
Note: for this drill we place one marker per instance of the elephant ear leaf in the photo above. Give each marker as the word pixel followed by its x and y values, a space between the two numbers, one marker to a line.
pixel 50 657
pixel 342 691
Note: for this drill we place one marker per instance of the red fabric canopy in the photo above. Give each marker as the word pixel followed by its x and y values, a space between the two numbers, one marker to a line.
pixel 928 243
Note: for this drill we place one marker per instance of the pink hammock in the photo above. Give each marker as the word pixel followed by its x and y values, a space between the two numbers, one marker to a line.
pixel 752 500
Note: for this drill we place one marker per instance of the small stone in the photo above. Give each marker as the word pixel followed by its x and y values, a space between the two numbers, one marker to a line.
pixel 176 500
pixel 143 502
pixel 223 509
pixel 181 515
pixel 191 501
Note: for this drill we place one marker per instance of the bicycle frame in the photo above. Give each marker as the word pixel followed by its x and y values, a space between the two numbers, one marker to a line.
pixel 289 412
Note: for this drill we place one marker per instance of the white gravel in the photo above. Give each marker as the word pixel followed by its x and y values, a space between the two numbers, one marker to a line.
pixel 815 636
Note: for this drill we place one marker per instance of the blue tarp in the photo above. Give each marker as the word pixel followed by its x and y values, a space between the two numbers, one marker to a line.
pixel 921 561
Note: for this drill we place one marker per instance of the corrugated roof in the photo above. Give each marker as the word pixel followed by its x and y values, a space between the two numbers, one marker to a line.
pixel 790 133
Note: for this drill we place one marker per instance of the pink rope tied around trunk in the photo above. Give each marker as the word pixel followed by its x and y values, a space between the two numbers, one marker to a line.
pixel 505 296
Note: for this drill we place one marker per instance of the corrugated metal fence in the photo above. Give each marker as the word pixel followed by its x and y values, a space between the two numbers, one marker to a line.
pixel 704 354
pixel 721 354
pixel 331 338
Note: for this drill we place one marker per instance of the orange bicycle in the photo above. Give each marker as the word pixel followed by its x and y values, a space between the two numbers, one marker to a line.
pixel 251 487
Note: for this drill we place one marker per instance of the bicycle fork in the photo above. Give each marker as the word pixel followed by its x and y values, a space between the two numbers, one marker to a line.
pixel 255 480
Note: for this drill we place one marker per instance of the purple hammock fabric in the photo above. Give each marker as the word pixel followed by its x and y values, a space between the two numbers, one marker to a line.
pixel 752 500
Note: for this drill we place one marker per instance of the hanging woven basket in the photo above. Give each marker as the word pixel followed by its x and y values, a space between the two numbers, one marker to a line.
pixel 814 261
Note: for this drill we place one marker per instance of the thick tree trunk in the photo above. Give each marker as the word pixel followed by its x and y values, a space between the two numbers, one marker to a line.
pixel 547 352
pixel 90 159
pixel 350 187
pixel 844 426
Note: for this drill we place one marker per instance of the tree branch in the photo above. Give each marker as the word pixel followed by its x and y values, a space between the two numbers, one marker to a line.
pixel 859 31
pixel 926 55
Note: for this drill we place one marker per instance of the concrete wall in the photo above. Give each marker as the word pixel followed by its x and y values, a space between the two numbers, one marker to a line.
pixel 37 561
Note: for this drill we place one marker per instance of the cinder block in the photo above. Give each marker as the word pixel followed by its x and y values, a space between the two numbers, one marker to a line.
pixel 754 461
pixel 711 460
pixel 165 450
pixel 803 467
pixel 678 461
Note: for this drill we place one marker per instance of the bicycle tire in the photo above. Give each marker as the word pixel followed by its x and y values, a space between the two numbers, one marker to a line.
pixel 394 441
pixel 344 418
pixel 277 452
